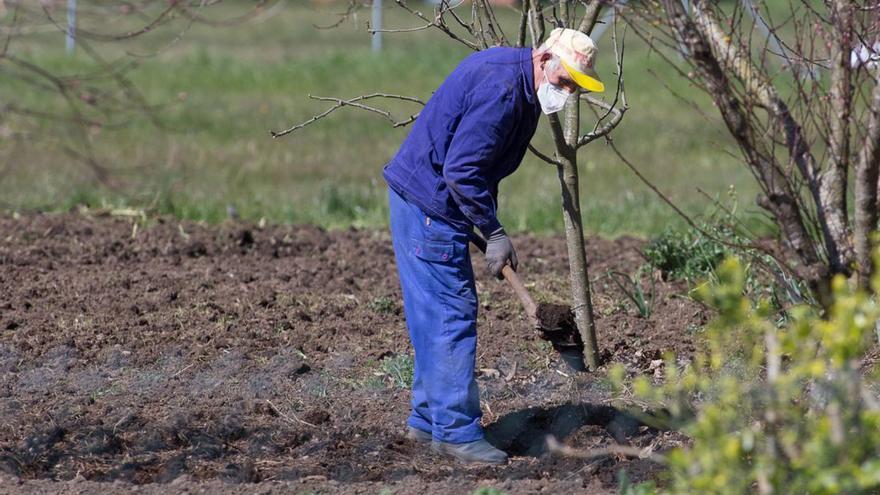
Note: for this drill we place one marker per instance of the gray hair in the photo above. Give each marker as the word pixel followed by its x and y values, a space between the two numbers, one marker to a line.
pixel 552 64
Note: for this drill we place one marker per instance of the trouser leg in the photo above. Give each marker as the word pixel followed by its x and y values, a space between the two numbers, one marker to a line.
pixel 440 304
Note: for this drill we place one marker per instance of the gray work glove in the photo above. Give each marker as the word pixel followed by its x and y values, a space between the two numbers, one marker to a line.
pixel 499 251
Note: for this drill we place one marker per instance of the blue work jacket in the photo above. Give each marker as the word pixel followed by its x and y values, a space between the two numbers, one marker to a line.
pixel 472 133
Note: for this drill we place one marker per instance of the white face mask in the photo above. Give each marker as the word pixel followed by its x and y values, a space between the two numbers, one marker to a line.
pixel 551 96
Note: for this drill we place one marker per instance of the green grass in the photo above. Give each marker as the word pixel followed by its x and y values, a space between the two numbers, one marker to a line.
pixel 222 89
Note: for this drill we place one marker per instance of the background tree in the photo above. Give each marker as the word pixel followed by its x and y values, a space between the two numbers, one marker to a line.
pixel 797 87
pixel 477 27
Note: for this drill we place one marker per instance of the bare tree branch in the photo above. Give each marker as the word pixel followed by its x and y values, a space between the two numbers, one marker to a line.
pixel 780 199
pixel 354 102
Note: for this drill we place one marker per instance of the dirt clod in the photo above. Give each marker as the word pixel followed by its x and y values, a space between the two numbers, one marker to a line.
pixel 558 326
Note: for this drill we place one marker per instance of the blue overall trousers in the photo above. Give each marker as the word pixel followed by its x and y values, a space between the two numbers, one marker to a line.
pixel 440 304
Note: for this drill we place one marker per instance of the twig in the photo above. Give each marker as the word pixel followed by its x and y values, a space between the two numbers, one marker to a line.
pixel 190 365
pixel 352 8
pixel 619 94
pixel 611 450
pixel 542 156
pixel 354 102
pixel 402 30
pixel 289 420
pixel 440 24
pixel 605 129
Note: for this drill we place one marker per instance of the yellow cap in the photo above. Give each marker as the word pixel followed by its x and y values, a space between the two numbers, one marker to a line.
pixel 577 52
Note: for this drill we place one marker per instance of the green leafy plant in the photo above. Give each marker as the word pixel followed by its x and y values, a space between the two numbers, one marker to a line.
pixel 770 408
pixel 632 288
pixel 398 369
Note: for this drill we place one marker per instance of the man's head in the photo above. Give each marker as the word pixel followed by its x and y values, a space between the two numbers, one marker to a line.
pixel 554 72
pixel 564 64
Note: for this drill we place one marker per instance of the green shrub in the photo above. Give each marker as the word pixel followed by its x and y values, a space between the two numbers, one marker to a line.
pixel 685 255
pixel 770 408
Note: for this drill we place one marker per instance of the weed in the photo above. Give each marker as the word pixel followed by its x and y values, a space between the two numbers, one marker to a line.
pixel 223 322
pixel 383 305
pixel 487 490
pixel 319 389
pixel 632 287
pixel 399 370
pixel 373 382
pixel 684 255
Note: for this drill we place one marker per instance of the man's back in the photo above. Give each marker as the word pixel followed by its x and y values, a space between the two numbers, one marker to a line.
pixel 473 132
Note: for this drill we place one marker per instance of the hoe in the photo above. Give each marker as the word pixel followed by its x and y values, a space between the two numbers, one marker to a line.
pixel 553 322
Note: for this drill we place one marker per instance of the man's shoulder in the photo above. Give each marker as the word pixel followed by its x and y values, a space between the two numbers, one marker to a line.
pixel 500 52
pixel 498 58
pixel 495 70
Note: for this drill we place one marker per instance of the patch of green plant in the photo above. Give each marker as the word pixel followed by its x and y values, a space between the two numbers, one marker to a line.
pixel 770 407
pixel 383 305
pixel 398 370
pixel 684 254
pixel 487 490
pixel 632 288
pixel 374 382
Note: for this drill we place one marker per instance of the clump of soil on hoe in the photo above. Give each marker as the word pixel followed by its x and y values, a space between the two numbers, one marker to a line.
pixel 179 357
pixel 556 325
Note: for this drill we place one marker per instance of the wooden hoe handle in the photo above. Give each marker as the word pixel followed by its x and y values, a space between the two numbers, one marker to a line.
pixel 515 282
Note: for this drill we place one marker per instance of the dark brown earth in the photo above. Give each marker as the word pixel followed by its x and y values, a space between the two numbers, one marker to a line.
pixel 558 326
pixel 161 356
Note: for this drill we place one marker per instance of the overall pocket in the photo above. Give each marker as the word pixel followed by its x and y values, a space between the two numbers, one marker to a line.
pixel 430 250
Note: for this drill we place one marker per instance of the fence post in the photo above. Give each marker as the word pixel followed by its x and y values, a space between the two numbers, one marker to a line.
pixel 377 26
pixel 71 26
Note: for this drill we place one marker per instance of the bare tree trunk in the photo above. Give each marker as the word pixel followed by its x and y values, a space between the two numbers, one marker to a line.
pixel 582 303
pixel 866 191
pixel 832 184
pixel 566 135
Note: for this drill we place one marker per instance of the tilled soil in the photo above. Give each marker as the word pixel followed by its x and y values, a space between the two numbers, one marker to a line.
pixel 165 356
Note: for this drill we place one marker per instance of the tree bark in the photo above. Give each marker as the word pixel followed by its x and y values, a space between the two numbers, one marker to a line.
pixel 866 191
pixel 565 136
pixel 832 184
pixel 582 303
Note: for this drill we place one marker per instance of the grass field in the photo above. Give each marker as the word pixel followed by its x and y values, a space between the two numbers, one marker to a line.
pixel 220 91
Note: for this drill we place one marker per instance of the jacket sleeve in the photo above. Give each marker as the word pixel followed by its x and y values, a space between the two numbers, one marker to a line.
pixel 477 143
